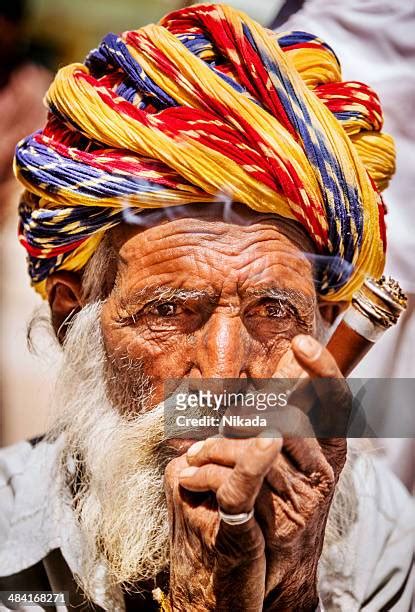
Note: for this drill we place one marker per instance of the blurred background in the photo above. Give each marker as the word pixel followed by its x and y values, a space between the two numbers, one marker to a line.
pixel 374 40
pixel 62 31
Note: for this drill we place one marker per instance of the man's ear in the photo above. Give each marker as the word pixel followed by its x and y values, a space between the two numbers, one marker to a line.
pixel 330 310
pixel 64 291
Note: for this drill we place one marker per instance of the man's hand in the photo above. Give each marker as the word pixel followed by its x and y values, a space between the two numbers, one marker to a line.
pixel 216 566
pixel 293 504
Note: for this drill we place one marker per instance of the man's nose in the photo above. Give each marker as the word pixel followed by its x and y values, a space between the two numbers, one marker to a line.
pixel 222 348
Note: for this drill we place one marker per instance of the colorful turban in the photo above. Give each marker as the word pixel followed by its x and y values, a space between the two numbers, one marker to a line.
pixel 206 103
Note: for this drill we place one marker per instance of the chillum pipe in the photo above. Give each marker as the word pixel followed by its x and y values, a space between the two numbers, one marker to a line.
pixel 348 347
pixel 374 309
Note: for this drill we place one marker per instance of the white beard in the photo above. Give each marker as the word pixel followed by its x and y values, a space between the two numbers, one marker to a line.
pixel 120 502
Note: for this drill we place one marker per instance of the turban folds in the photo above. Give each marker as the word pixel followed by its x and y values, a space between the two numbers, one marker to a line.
pixel 207 102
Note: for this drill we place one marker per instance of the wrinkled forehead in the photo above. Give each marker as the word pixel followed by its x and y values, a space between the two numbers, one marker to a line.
pixel 206 218
pixel 212 244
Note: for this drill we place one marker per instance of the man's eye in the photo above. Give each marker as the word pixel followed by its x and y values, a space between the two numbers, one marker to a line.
pixel 276 310
pixel 270 310
pixel 165 309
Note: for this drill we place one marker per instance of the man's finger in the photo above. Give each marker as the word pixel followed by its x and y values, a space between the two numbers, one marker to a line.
pixel 328 385
pixel 333 395
pixel 314 358
pixel 288 367
pixel 172 471
pixel 171 482
pixel 238 493
pixel 205 478
pixel 223 451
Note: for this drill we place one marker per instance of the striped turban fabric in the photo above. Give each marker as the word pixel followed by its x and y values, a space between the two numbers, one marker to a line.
pixel 208 102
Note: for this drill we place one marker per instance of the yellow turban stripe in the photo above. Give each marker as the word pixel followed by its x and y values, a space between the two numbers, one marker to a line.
pixel 208 104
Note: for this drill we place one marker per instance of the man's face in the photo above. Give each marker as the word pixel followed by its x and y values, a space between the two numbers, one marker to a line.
pixel 194 296
pixel 198 296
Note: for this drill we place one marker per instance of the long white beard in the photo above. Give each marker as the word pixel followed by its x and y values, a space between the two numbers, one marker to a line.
pixel 119 500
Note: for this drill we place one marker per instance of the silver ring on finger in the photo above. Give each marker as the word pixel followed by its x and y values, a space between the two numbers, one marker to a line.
pixel 235 519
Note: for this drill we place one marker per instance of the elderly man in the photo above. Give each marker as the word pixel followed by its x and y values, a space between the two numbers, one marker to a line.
pixel 185 117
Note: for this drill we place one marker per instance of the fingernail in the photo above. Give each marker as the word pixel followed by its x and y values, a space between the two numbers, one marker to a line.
pixel 309 347
pixel 195 448
pixel 264 444
pixel 188 472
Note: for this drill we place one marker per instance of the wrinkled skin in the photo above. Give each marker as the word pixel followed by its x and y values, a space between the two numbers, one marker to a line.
pixel 226 331
pixel 200 297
